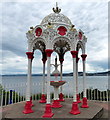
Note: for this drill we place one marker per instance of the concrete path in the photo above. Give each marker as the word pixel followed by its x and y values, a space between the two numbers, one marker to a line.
pixel 15 111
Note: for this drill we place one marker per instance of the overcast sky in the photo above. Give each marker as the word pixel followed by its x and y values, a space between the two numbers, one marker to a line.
pixel 17 17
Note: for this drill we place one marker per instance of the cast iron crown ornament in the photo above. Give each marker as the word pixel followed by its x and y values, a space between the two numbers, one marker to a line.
pixel 56 10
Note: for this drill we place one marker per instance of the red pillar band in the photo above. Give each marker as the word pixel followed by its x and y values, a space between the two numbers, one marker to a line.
pixel 43 99
pixel 48 112
pixel 84 103
pixel 30 55
pixel 74 53
pixel 83 57
pixel 56 104
pixel 77 59
pixel 48 52
pixel 61 60
pixel 44 60
pixel 27 108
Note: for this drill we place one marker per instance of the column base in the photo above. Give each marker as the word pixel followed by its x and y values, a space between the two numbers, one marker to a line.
pixel 61 99
pixel 43 99
pixel 56 104
pixel 27 108
pixel 75 109
pixel 78 98
pixel 48 112
pixel 84 103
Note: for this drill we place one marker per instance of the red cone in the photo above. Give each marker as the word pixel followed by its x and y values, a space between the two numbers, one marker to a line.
pixel 84 103
pixel 75 109
pixel 56 104
pixel 43 99
pixel 61 99
pixel 27 108
pixel 48 112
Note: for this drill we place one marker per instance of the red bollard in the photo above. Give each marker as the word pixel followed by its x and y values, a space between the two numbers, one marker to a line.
pixel 27 108
pixel 61 99
pixel 48 112
pixel 84 103
pixel 43 99
pixel 56 104
pixel 75 109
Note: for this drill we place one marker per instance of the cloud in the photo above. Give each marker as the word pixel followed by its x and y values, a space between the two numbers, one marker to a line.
pixel 17 17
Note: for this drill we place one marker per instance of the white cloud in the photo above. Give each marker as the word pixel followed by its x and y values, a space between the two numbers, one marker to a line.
pixel 17 17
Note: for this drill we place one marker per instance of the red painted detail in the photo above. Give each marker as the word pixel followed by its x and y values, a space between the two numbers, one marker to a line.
pixel 77 59
pixel 48 52
pixel 61 60
pixel 80 35
pixel 83 57
pixel 48 111
pixel 30 55
pixel 61 81
pixel 62 30
pixel 61 97
pixel 38 31
pixel 84 103
pixel 27 108
pixel 43 99
pixel 44 60
pixel 75 109
pixel 78 98
pixel 74 53
pixel 56 104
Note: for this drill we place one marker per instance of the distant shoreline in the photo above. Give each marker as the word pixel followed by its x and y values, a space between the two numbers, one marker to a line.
pixel 67 74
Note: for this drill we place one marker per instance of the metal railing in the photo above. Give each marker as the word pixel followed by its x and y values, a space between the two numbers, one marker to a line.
pixel 14 93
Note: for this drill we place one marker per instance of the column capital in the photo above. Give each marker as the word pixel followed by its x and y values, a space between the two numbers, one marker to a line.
pixel 30 55
pixel 44 60
pixel 48 52
pixel 74 53
pixel 61 60
pixel 83 57
pixel 77 59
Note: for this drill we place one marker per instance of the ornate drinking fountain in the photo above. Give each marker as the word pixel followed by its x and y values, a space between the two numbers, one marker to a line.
pixel 56 84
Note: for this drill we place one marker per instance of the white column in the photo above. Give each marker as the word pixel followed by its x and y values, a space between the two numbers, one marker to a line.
pixel 84 74
pixel 76 78
pixel 84 79
pixel 48 53
pixel 77 59
pixel 48 80
pixel 74 53
pixel 61 65
pixel 28 88
pixel 56 93
pixel 43 82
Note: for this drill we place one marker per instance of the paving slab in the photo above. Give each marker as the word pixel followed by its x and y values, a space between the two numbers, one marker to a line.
pixel 15 110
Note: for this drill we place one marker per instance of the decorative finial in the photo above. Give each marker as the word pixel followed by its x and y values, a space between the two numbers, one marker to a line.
pixel 56 10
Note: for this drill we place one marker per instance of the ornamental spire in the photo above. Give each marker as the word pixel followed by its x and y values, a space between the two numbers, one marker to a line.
pixel 56 10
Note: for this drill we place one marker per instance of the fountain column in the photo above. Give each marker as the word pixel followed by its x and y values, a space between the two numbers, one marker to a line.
pixel 78 97
pixel 28 105
pixel 75 109
pixel 48 112
pixel 61 96
pixel 84 101
pixel 43 97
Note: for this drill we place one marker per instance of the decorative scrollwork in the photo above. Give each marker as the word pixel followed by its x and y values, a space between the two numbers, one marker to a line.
pixel 56 18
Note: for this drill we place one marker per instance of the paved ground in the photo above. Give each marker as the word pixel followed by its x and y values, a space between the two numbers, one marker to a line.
pixel 15 110
pixel 106 106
